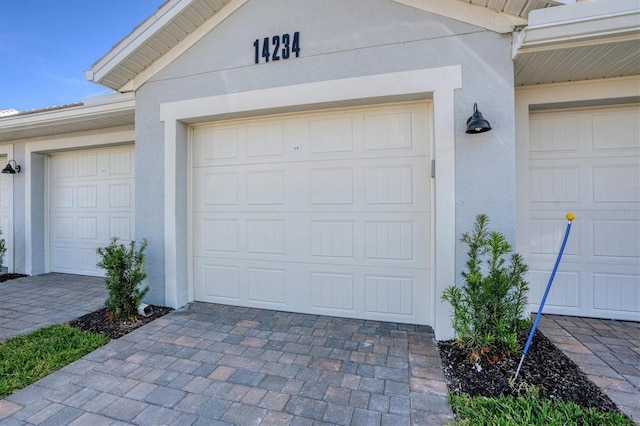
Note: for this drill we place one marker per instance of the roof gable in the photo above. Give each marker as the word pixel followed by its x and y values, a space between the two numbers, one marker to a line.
pixel 178 24
pixel 175 26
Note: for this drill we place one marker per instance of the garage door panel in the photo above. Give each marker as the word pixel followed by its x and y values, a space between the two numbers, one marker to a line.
pixel 617 183
pixel 565 291
pixel 332 290
pixel 91 200
pixel 595 173
pixel 322 289
pixel 614 292
pixel 75 259
pixel 88 197
pixel 390 294
pixel 219 281
pixel 616 239
pixel 616 130
pixel 351 134
pixel 323 212
pixel 369 240
pixel 398 185
pixel 266 285
pixel 547 234
pixel 554 184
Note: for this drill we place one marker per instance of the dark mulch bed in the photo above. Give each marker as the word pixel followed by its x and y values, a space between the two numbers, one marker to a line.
pixel 7 277
pixel 101 321
pixel 545 366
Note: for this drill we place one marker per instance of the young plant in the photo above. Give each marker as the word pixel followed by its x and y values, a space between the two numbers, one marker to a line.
pixel 489 309
pixel 125 272
pixel 3 250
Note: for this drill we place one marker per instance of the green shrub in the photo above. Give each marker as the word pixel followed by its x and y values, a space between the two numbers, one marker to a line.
pixel 124 273
pixel 3 250
pixel 489 309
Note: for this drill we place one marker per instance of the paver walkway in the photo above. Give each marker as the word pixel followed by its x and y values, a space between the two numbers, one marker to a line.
pixel 607 351
pixel 30 303
pixel 210 364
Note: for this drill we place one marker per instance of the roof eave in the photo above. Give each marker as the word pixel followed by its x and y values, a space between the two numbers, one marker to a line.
pixel 581 41
pixel 128 65
pixel 109 106
pixel 134 40
pixel 624 25
pixel 470 13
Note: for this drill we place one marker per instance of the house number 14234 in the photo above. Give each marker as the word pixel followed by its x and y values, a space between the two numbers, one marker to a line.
pixel 277 47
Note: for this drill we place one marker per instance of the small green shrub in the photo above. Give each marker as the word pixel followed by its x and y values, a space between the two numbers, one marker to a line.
pixel 3 250
pixel 124 273
pixel 489 309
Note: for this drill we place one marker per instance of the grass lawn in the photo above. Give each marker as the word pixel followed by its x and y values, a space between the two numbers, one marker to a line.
pixel 25 359
pixel 527 410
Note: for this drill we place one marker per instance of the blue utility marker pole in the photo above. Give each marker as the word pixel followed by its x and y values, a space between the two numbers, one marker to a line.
pixel 570 217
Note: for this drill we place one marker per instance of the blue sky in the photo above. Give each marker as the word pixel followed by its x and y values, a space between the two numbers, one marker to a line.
pixel 45 45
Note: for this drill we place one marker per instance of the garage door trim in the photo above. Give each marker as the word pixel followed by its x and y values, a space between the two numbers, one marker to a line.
pixel 438 83
pixel 36 236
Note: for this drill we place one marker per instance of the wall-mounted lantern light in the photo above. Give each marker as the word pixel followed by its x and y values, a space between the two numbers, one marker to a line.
pixel 11 170
pixel 476 123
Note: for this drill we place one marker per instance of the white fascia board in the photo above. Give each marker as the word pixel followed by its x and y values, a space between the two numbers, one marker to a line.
pixel 580 11
pixel 470 13
pixel 585 29
pixel 109 105
pixel 183 46
pixel 136 38
pixel 115 57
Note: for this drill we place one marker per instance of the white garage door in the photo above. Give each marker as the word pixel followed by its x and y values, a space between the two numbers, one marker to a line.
pixel 90 200
pixel 586 161
pixel 321 212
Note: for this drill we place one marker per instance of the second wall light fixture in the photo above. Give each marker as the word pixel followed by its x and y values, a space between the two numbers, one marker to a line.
pixel 11 169
pixel 477 123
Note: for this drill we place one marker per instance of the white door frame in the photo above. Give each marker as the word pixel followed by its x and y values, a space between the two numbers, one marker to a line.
pixel 560 95
pixel 605 91
pixel 8 234
pixel 439 83
pixel 72 143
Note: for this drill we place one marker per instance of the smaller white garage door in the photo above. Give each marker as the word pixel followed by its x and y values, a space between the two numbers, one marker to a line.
pixel 585 161
pixel 91 199
pixel 325 213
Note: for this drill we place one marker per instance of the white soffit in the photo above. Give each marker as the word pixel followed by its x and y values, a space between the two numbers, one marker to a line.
pixel 581 41
pixel 175 26
pixel 520 8
pixel 100 112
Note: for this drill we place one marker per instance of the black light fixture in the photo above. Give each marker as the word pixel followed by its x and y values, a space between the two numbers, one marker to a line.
pixel 476 123
pixel 11 170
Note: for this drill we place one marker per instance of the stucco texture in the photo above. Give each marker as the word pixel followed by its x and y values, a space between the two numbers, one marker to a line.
pixel 338 39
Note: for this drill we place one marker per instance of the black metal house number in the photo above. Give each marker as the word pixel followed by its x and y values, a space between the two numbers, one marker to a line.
pixel 277 47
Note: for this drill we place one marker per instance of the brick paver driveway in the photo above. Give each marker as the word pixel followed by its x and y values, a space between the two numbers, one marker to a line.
pixel 210 364
pixel 30 303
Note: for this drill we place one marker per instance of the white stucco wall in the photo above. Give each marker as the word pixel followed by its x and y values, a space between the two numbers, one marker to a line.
pixel 338 40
